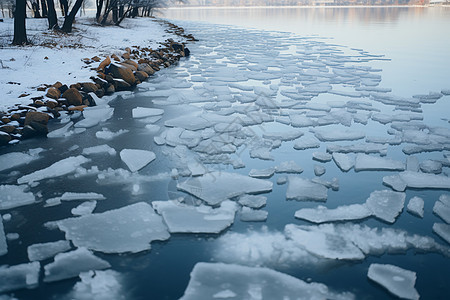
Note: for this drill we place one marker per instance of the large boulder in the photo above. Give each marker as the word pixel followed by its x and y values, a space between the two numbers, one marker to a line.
pixel 146 68
pixel 89 87
pixel 73 97
pixel 53 93
pixel 37 117
pixel 121 72
pixel 141 75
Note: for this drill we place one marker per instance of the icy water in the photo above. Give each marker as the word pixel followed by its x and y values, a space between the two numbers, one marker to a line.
pixel 328 108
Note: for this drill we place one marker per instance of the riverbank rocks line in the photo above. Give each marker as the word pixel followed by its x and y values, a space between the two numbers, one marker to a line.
pixel 115 72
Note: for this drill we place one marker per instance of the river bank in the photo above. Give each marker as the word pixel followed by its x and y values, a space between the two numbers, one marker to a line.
pixel 58 72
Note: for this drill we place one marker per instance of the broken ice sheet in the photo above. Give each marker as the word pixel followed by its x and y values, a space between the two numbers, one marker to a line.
pixel 386 205
pixel 12 196
pixel 19 276
pixel 46 250
pixel 329 134
pixel 253 201
pixel 261 173
pixel 144 112
pixel 84 208
pixel 366 162
pixel 214 280
pixel 127 229
pixel 216 187
pixel 136 159
pixel 71 264
pixel 305 190
pixel 94 115
pixel 415 206
pixel 443 230
pixel 182 218
pixel 288 167
pixel 396 280
pixel 253 215
pixel 3 244
pixel 321 214
pixel 408 179
pixel 107 134
pixel 344 161
pixel 15 159
pixel 100 149
pixel 442 208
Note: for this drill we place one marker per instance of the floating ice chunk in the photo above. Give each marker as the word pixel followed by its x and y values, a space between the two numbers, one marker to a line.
pixel 321 214
pixel 216 187
pixel 12 196
pixel 61 132
pixel 305 190
pixel 19 277
pixel 99 285
pixel 415 206
pixel 417 180
pixel 386 205
pixel 261 153
pixel 69 196
pixel 84 208
pixel 145 112
pixel 209 279
pixel 396 280
pixel 366 162
pixel 322 156
pixel 190 122
pixel 319 170
pixel 95 115
pixel 341 134
pixel 301 121
pixel 127 229
pixel 431 166
pixel 136 159
pixel 443 230
pixel 99 150
pixel 15 159
pixel 442 208
pixel 283 135
pixel 288 167
pixel 182 218
pixel 264 173
pixel 322 243
pixel 253 215
pixel 3 244
pixel 60 168
pixel 384 140
pixel 106 134
pixel 412 164
pixel 71 264
pixel 253 201
pixel 344 161
pixel 358 148
pixel 47 250
pixel 224 294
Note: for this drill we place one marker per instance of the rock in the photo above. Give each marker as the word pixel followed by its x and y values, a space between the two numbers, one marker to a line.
pixel 131 62
pixel 57 85
pixel 115 57
pixel 110 89
pixel 73 97
pixel 126 55
pixel 187 52
pixel 39 103
pixel 53 93
pixel 104 63
pixel 95 58
pixel 177 47
pixel 89 87
pixel 121 85
pixel 39 128
pixel 36 117
pixel 128 66
pixel 146 68
pixel 76 86
pixel 77 108
pixel 63 88
pixel 121 72
pixel 100 92
pixel 51 104
pixel 8 128
pixel 141 75
pixel 4 138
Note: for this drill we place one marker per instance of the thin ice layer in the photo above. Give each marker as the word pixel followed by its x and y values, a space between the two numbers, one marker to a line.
pixel 322 214
pixel 71 264
pixel 60 168
pixel 305 190
pixel 12 196
pixel 211 280
pixel 46 250
pixel 136 159
pixel 182 218
pixel 127 229
pixel 386 205
pixel 19 277
pixel 216 187
pixel 396 280
pixel 99 285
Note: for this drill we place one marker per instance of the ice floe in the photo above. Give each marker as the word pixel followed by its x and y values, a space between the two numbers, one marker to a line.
pixel 218 280
pixel 3 244
pixel 19 276
pixel 144 112
pixel 415 206
pixel 12 196
pixel 71 264
pixel 15 159
pixel 443 230
pixel 319 170
pixel 183 218
pixel 364 162
pixel 253 201
pixel 342 134
pixel 321 214
pixel 386 205
pixel 100 149
pixel 248 214
pixel 99 285
pixel 396 280
pixel 136 159
pixel 442 208
pixel 344 161
pixel 84 208
pixel 107 134
pixel 288 167
pixel 44 251
pixel 305 190
pixel 408 179
pixel 94 115
pixel 127 229
pixel 216 187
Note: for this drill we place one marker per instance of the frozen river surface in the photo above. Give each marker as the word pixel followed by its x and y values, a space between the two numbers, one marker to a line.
pixel 268 165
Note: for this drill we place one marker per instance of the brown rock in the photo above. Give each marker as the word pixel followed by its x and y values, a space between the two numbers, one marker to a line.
pixel 6 120
pixel 141 75
pixel 131 67
pixel 57 85
pixel 89 87
pixel 126 55
pixel 77 86
pixel 73 97
pixel 142 61
pixel 128 49
pixel 121 72
pixel 146 68
pixel 100 92
pixel 111 89
pixel 36 117
pixel 15 116
pixel 96 58
pixel 39 103
pixel 121 85
pixel 7 128
pixel 104 63
pixel 77 108
pixel 131 62
pixel 51 104
pixel 115 57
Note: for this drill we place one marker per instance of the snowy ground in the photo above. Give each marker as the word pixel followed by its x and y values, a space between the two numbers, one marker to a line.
pixel 56 57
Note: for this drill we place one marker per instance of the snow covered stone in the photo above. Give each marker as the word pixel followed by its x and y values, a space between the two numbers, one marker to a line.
pixel 19 276
pixel 47 250
pixel 71 264
pixel 144 112
pixel 415 206
pixel 216 187
pixel 136 159
pixel 344 161
pixel 127 229
pixel 321 214
pixel 219 281
pixel 253 215
pixel 443 230
pixel 12 196
pixel 366 162
pixel 3 244
pixel 417 180
pixel 442 208
pixel 182 218
pixel 60 168
pixel 386 205
pixel 253 201
pixel 305 190
pixel 334 134
pixel 396 280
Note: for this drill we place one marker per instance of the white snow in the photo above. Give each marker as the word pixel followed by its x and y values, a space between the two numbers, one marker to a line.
pixel 60 168
pixel 366 162
pixel 127 229
pixel 12 196
pixel 182 218
pixel 136 159
pixel 321 214
pixel 208 281
pixel 19 276
pixel 216 187
pixel 144 112
pixel 386 205
pixel 415 206
pixel 43 251
pixel 71 264
pixel 301 189
pixel 396 280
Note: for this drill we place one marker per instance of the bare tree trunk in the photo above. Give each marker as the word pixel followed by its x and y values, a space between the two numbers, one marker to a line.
pixel 52 19
pixel 99 5
pixel 68 20
pixel 124 15
pixel 35 8
pixel 44 8
pixel 115 14
pixel 64 7
pixel 20 30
